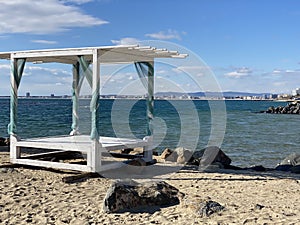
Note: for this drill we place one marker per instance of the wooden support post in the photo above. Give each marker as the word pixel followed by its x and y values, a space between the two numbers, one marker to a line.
pixel 150 112
pixel 15 152
pixel 95 154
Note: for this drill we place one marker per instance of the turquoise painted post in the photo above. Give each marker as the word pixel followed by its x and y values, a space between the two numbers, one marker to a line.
pixel 75 97
pixel 145 71
pixel 94 106
pixel 17 68
pixel 150 100
pixel 93 81
pixel 86 71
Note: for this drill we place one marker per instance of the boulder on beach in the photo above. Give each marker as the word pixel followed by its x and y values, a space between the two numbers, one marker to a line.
pixel 292 159
pixel 290 163
pixel 128 195
pixel 214 154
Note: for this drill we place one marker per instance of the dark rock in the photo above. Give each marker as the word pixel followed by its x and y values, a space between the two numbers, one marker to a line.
pixel 283 167
pixel 208 208
pixel 196 157
pixel 154 152
pixel 257 168
pixel 132 196
pixel 127 150
pixel 258 206
pixel 2 141
pixel 214 154
pixel 295 169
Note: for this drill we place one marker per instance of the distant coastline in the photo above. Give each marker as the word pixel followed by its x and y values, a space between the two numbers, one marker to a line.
pixel 180 96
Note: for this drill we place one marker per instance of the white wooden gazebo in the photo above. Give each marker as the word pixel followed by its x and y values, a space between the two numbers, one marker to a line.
pixel 81 59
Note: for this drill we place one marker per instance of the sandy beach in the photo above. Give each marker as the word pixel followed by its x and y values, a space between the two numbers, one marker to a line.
pixel 39 196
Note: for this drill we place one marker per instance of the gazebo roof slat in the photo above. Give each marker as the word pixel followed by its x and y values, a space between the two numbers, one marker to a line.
pixel 108 54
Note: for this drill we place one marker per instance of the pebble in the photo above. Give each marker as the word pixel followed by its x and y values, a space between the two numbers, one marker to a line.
pixel 258 206
pixel 7 170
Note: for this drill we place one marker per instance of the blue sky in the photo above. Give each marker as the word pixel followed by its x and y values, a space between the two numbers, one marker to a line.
pixel 251 46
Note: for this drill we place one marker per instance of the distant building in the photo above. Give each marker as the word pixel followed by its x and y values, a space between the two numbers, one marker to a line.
pixel 296 92
pixel 272 96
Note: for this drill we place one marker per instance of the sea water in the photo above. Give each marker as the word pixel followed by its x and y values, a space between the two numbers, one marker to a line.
pixel 249 138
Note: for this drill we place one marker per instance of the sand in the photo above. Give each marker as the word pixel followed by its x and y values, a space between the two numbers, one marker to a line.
pixel 38 196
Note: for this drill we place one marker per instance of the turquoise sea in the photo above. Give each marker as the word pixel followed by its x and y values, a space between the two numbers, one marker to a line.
pixel 250 138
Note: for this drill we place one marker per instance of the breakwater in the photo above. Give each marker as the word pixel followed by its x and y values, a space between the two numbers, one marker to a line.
pixel 290 108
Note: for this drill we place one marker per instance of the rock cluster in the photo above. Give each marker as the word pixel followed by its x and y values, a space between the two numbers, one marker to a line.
pixel 290 108
pixel 212 159
pixel 130 195
pixel 204 157
pixel 4 141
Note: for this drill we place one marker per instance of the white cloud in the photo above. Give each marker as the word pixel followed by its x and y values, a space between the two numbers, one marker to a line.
pixel 276 71
pixel 125 41
pixel 161 72
pixel 38 70
pixel 79 2
pixel 166 35
pixel 4 72
pixel 193 70
pixel 5 66
pixel 290 71
pixel 239 73
pixel 43 16
pixel 44 42
pixel 283 72
pixel 280 83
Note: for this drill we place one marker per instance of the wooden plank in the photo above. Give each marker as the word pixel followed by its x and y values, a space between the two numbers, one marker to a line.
pixel 40 54
pixel 56 165
pixel 68 143
pixel 54 146
pixel 47 154
pixel 80 143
